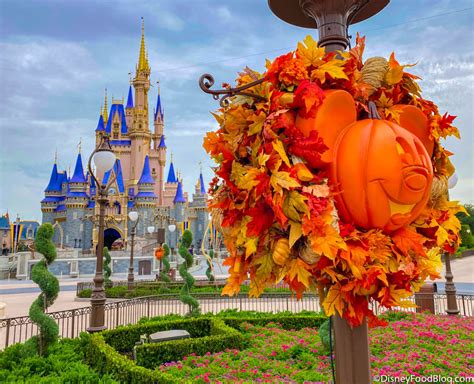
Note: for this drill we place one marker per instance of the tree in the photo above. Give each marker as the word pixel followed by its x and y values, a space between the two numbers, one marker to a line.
pixel 107 270
pixel 467 240
pixel 166 265
pixel 49 285
pixel 469 218
pixel 209 274
pixel 188 279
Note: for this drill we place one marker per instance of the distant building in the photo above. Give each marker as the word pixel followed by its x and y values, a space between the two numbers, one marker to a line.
pixel 17 235
pixel 69 201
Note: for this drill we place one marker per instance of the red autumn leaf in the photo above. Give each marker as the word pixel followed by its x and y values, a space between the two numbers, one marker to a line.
pixel 407 240
pixel 308 97
pixel 262 219
pixel 308 148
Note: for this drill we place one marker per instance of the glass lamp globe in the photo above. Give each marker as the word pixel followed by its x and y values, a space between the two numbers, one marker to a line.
pixel 133 215
pixel 172 227
pixel 453 180
pixel 104 161
pixel 150 229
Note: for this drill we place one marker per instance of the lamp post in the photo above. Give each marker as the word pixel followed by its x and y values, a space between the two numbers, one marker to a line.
pixel 133 216
pixel 449 287
pixel 172 228
pixel 104 160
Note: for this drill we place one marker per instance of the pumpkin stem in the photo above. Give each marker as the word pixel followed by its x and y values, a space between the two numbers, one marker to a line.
pixel 373 113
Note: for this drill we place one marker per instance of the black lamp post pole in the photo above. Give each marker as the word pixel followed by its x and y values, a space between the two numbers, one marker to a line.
pixel 450 288
pixel 131 276
pixel 97 318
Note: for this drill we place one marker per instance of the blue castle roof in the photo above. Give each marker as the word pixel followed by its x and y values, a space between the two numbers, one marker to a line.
pixel 158 109
pixel 171 175
pixel 179 198
pixel 100 124
pixel 4 222
pixel 162 142
pixel 53 185
pixel 116 108
pixel 78 176
pixel 118 175
pixel 130 98
pixel 201 182
pixel 146 174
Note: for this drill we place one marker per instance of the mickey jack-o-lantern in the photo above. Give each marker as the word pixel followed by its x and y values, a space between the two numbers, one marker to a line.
pixel 381 171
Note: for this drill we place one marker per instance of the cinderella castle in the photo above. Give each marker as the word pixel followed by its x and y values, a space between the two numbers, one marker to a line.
pixel 140 183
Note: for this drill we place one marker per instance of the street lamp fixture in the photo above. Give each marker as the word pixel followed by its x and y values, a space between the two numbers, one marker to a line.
pixel 104 159
pixel 134 218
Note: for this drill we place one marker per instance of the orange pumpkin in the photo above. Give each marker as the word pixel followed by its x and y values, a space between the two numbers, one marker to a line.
pixel 281 252
pixel 334 114
pixel 159 252
pixel 382 174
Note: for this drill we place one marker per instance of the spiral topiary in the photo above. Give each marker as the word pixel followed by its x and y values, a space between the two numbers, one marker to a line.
pixel 49 285
pixel 107 270
pixel 209 274
pixel 166 265
pixel 187 277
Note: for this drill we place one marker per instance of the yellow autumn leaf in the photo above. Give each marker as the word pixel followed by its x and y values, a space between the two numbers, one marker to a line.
pixel 247 181
pixel 299 272
pixel 317 190
pixel 333 68
pixel 294 205
pixel 303 173
pixel 257 125
pixel 278 147
pixel 333 301
pixel 281 179
pixel 295 232
pixel 250 246
pixel 309 52
pixel 327 245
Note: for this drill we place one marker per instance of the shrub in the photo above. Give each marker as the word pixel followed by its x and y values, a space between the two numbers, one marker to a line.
pixel 220 337
pixel 21 363
pixel 166 265
pixel 107 270
pixel 48 329
pixel 188 279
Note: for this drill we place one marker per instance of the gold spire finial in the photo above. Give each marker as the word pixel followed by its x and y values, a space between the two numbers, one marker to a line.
pixel 56 157
pixel 130 77
pixel 104 112
pixel 171 157
pixel 200 166
pixel 79 146
pixel 158 86
pixel 142 58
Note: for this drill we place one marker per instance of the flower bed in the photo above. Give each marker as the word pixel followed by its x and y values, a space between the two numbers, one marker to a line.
pixel 421 345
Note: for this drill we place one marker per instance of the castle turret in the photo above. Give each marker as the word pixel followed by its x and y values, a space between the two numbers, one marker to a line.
pixel 171 186
pixel 199 216
pixel 52 196
pixel 158 121
pixel 145 199
pixel 129 107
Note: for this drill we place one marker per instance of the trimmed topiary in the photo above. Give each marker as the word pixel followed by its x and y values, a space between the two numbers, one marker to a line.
pixel 166 265
pixel 107 270
pixel 188 279
pixel 209 274
pixel 49 285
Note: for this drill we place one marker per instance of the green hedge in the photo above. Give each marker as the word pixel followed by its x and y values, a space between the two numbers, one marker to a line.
pixel 221 337
pixel 295 321
pixel 106 360
pixel 123 339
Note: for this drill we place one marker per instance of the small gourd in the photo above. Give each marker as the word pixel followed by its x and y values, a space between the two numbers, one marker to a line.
pixel 281 252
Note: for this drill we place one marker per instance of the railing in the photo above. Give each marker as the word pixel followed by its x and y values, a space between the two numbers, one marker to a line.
pixel 72 322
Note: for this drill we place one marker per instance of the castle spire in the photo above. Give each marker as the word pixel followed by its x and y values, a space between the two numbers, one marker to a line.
pixel 104 112
pixel 158 110
pixel 179 197
pixel 130 98
pixel 53 180
pixel 171 175
pixel 146 177
pixel 78 176
pixel 142 58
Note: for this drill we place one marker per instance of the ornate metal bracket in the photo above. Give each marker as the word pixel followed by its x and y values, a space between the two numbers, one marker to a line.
pixel 206 81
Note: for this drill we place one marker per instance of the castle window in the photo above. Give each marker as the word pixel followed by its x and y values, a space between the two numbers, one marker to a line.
pixel 153 170
pixel 116 135
pixel 116 126
pixel 139 126
pixel 139 148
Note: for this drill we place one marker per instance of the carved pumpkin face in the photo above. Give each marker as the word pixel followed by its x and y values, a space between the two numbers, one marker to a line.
pixel 383 174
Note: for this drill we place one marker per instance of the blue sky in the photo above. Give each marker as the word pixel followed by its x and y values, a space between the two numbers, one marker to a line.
pixel 56 58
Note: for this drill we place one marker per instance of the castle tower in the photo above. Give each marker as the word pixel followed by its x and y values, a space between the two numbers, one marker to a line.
pixel 139 132
pixel 129 108
pixel 52 196
pixel 76 201
pixel 145 199
pixel 171 186
pixel 199 212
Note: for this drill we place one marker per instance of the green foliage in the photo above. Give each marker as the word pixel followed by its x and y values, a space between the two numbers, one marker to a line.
pixel 324 335
pixel 107 270
pixel 467 238
pixel 219 338
pixel 106 360
pixel 21 363
pixel 469 218
pixel 396 316
pixel 166 265
pixel 188 279
pixel 209 274
pixel 49 285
